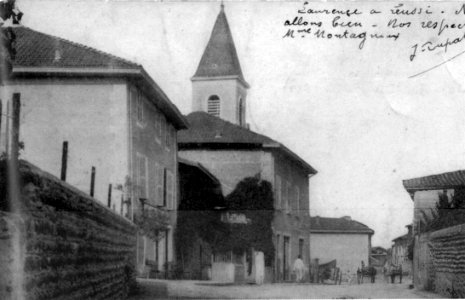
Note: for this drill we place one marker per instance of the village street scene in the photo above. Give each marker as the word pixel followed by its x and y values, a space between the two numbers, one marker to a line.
pixel 216 150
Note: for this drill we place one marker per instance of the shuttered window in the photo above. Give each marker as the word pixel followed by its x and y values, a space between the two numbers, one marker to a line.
pixel 288 197
pixel 168 189
pixel 159 184
pixel 283 195
pixel 140 99
pixel 214 105
pixel 163 129
pixel 157 126
pixel 297 199
pixel 277 192
pixel 169 136
pixel 142 175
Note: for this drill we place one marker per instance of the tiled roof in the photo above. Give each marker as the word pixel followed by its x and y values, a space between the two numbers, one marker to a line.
pixel 220 56
pixel 40 54
pixel 402 237
pixel 36 49
pixel 205 128
pixel 207 131
pixel 337 225
pixel 436 182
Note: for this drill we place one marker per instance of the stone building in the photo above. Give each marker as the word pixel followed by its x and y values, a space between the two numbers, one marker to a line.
pixel 218 137
pixel 113 116
pixel 342 239
pixel 439 253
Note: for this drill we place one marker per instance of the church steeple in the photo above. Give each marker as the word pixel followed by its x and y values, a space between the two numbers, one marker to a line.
pixel 218 84
pixel 220 56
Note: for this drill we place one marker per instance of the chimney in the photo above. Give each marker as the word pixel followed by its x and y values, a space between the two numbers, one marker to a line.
pixel 348 218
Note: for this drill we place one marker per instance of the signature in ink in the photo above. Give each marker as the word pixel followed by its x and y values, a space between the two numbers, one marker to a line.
pixel 430 46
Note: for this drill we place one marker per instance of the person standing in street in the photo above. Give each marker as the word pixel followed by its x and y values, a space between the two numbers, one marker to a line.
pixel 400 273
pixel 392 273
pixel 372 274
pixel 299 269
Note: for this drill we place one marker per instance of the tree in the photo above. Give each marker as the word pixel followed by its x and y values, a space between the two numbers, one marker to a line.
pixel 252 197
pixel 152 223
pixel 8 11
pixel 447 213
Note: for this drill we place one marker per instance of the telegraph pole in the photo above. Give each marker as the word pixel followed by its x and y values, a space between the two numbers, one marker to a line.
pixel 8 12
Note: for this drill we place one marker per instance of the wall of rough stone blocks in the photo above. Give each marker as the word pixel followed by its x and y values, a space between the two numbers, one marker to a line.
pixel 12 233
pixel 73 246
pixel 440 261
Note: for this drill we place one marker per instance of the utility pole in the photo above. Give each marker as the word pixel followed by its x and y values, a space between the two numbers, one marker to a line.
pixel 8 12
pixel 64 161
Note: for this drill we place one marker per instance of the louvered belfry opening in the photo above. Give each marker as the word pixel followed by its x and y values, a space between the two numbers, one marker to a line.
pixel 214 105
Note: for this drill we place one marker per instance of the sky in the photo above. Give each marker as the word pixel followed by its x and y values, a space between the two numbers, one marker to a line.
pixel 353 114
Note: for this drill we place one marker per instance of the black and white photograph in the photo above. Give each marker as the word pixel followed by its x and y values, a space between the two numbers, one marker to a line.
pixel 235 149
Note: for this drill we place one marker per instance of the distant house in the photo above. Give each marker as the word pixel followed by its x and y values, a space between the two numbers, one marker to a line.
pixel 218 137
pixel 400 250
pixel 113 116
pixel 378 257
pixel 342 239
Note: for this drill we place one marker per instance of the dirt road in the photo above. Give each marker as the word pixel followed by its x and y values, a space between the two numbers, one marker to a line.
pixel 153 289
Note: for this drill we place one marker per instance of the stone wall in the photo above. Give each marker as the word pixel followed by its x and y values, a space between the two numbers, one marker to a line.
pixel 12 240
pixel 74 247
pixel 439 261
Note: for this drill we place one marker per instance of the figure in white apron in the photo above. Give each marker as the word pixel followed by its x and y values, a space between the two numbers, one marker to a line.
pixel 299 269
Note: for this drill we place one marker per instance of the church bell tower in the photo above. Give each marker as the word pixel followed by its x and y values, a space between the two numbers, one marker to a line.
pixel 218 86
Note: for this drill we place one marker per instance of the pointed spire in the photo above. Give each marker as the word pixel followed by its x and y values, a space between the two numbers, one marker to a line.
pixel 220 57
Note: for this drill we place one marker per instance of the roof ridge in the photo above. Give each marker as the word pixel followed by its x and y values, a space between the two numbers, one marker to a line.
pixel 235 125
pixel 82 46
pixel 360 223
pixel 204 133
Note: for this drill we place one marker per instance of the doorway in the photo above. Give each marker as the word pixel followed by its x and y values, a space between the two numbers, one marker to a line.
pixel 286 251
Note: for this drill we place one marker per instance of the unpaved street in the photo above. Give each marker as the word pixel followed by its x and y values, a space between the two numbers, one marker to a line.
pixel 151 289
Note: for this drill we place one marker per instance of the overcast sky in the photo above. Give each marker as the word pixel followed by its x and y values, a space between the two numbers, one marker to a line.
pixel 354 115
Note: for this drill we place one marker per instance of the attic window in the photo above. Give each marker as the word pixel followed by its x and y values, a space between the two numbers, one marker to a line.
pixel 214 105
